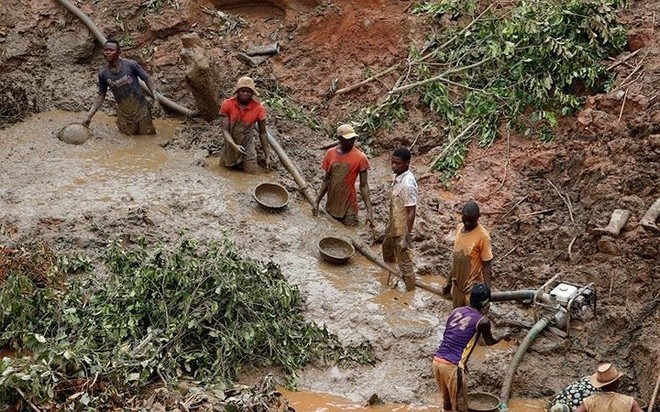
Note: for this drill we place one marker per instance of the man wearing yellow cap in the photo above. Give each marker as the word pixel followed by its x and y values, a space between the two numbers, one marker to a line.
pixel 238 115
pixel 342 165
pixel 607 379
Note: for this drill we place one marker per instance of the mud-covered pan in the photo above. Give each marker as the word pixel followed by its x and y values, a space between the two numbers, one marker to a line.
pixel 74 133
pixel 271 196
pixel 335 250
pixel 482 402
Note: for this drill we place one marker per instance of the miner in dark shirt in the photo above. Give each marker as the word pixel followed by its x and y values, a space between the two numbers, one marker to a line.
pixel 122 77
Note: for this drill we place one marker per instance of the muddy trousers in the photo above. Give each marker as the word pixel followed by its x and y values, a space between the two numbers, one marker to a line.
pixel 451 382
pixel 392 253
pixel 349 219
pixel 247 162
pixel 142 127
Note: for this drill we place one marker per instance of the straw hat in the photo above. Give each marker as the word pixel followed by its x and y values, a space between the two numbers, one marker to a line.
pixel 346 131
pixel 605 375
pixel 246 82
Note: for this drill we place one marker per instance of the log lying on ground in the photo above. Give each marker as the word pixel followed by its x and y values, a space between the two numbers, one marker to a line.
pixel 651 215
pixel 265 50
pixel 291 167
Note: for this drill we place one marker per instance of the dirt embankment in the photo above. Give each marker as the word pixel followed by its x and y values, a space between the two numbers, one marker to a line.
pixel 606 158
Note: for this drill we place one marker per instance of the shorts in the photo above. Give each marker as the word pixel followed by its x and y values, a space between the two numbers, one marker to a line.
pixel 247 162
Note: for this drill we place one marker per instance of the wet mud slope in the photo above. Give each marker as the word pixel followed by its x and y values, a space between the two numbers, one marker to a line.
pixel 541 201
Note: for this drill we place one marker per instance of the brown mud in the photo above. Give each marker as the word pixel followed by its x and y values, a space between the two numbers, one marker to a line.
pixel 75 197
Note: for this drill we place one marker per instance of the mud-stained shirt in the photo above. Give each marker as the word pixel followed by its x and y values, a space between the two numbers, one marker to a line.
pixel 403 195
pixel 241 120
pixel 125 86
pixel 344 169
pixel 471 249
pixel 608 401
pixel 460 335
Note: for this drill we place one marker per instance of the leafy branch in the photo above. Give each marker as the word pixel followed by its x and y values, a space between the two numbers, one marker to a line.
pixel 198 311
pixel 526 65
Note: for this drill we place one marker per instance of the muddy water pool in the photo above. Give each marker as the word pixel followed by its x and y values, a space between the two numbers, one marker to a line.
pixel 324 402
pixel 114 184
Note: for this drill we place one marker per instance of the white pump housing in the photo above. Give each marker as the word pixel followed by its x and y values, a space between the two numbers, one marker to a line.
pixel 564 292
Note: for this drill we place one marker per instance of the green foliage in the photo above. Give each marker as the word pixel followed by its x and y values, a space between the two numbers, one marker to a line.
pixel 154 6
pixel 540 57
pixel 452 7
pixel 383 116
pixel 453 160
pixel 200 311
pixel 276 98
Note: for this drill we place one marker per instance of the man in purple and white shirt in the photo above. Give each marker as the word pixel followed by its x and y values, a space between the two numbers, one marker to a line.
pixel 465 325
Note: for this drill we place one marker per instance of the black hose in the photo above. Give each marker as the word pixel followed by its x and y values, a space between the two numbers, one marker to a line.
pixel 512 295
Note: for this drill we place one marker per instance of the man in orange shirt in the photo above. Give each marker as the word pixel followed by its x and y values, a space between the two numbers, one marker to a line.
pixel 238 115
pixel 472 256
pixel 342 165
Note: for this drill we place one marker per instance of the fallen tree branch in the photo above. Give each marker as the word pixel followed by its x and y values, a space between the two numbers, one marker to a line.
pixel 657 382
pixel 463 30
pixel 564 199
pixel 514 206
pixel 623 105
pixel 635 70
pixel 439 77
pixel 370 79
pixel 621 61
pixel 538 212
pixel 424 129
pixel 508 253
pixel 570 246
pixel 451 143
pixel 32 406
pixel 410 63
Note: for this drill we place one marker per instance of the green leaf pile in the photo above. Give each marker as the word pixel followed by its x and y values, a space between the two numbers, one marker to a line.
pixel 199 311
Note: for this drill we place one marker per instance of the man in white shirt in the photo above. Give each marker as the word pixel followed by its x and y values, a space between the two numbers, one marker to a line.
pixel 403 204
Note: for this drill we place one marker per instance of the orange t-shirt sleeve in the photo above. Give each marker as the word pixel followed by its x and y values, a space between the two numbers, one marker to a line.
pixel 364 163
pixel 261 115
pixel 486 249
pixel 224 108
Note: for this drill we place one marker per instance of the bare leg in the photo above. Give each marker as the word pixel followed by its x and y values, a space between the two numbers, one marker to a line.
pixel 651 215
pixel 617 222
